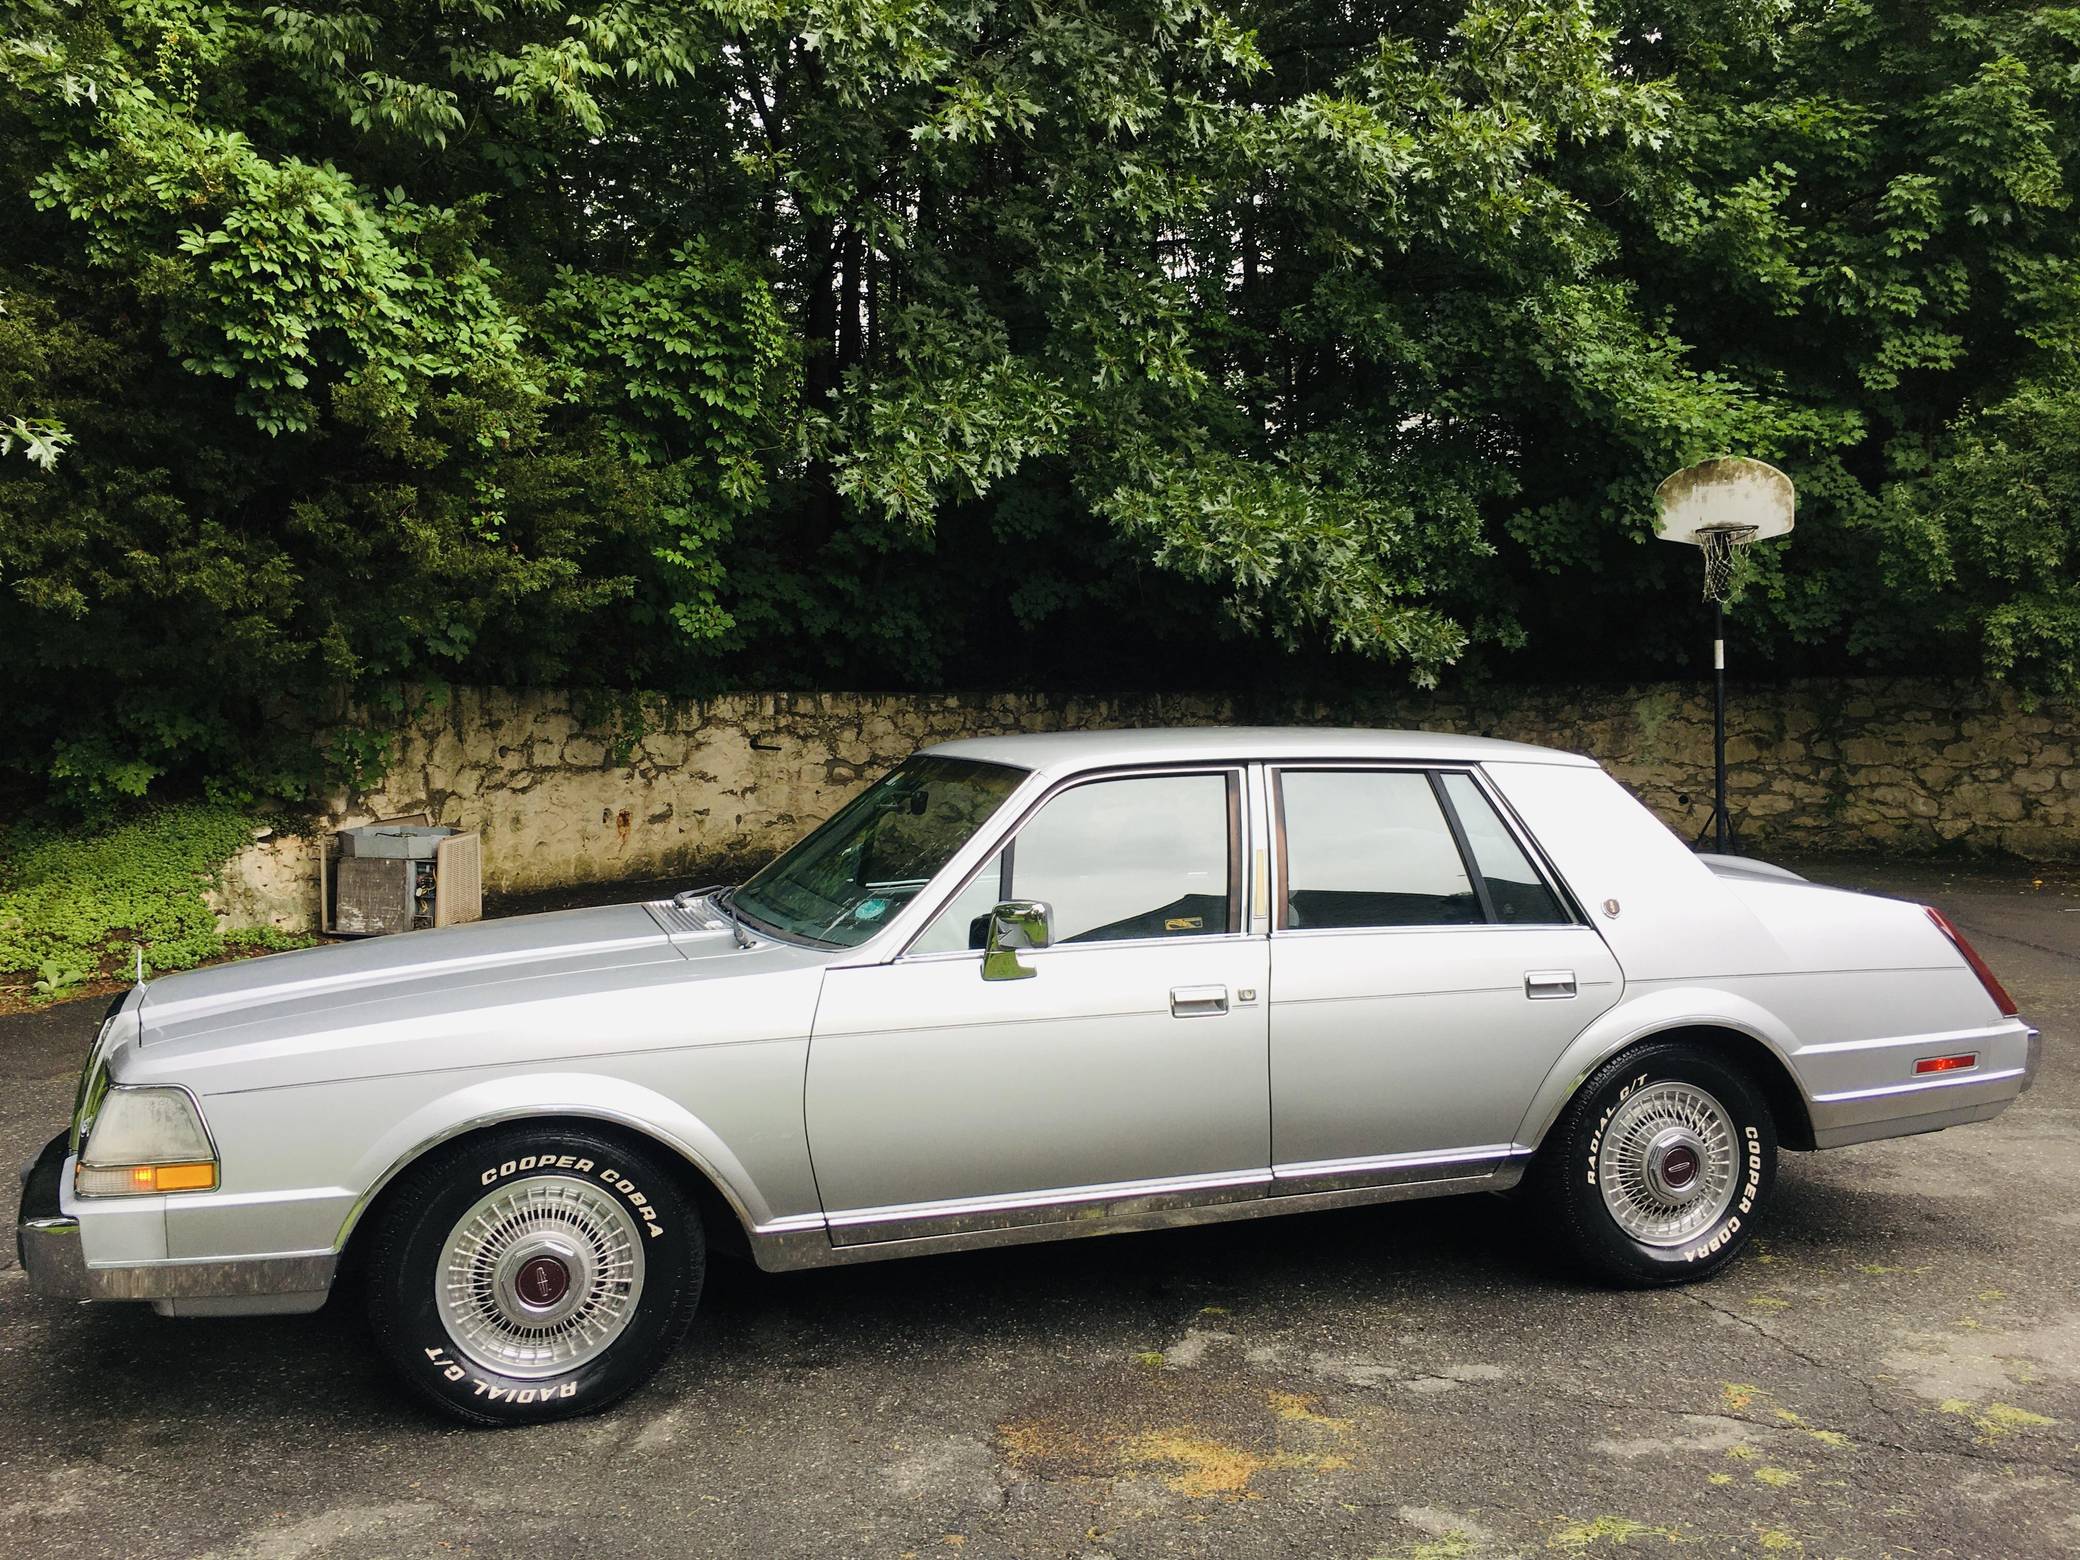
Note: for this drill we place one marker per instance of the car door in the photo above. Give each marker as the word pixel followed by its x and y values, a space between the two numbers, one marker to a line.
pixel 1425 974
pixel 1128 1072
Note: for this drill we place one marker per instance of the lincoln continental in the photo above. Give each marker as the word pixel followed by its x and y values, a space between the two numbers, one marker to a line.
pixel 1022 988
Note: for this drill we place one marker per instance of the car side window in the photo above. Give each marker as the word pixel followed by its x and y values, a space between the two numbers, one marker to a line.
pixel 1141 856
pixel 1519 895
pixel 1370 848
pixel 964 923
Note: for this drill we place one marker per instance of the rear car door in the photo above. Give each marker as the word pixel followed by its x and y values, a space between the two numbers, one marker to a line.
pixel 1426 972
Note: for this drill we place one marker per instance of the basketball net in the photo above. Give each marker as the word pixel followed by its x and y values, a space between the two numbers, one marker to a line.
pixel 1717 545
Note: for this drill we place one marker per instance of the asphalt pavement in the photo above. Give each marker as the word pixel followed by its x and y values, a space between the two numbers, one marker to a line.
pixel 1894 1370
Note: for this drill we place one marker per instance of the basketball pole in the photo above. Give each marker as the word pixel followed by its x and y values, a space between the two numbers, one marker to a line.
pixel 1717 506
pixel 1719 820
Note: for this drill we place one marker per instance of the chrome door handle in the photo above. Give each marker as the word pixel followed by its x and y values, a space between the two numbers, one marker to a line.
pixel 1198 1001
pixel 1545 985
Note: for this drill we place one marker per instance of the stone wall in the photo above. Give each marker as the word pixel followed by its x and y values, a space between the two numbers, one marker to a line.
pixel 661 787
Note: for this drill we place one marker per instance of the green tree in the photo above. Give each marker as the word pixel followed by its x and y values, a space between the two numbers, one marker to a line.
pixel 893 342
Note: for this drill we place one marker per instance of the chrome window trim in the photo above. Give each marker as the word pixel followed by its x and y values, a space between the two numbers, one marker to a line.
pixel 1455 926
pixel 956 955
pixel 1541 863
pixel 1512 825
pixel 1234 771
pixel 1258 894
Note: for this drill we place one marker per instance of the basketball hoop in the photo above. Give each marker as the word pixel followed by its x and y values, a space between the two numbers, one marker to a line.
pixel 1719 506
pixel 1717 544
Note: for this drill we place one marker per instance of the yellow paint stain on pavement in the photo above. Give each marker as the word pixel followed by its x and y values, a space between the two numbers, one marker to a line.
pixel 1206 1468
pixel 1301 1408
pixel 1997 1420
pixel 1737 1394
pixel 1776 1478
pixel 1617 1532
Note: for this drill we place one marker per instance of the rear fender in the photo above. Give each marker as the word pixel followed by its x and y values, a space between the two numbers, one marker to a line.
pixel 1656 1013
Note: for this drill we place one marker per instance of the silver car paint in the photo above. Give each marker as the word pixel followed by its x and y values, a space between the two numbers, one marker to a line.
pixel 929 1085
pixel 933 1117
pixel 1433 1021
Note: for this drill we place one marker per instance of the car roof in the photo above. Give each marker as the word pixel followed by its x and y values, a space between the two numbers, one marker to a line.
pixel 1068 752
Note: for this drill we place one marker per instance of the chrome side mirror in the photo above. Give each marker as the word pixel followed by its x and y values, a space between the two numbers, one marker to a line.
pixel 1014 926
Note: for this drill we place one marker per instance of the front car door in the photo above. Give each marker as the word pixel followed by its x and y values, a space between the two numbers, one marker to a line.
pixel 1425 974
pixel 1128 1073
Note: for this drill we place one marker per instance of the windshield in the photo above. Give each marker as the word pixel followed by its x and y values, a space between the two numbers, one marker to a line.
pixel 871 857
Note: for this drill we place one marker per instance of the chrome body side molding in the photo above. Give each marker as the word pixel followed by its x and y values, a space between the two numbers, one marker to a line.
pixel 781 1249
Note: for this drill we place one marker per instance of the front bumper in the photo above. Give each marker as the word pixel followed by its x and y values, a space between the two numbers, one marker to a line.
pixel 47 1240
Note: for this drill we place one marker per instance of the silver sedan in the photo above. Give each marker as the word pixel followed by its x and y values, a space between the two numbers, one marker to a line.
pixel 1023 988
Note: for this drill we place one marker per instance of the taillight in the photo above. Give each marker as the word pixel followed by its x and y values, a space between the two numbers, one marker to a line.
pixel 1987 978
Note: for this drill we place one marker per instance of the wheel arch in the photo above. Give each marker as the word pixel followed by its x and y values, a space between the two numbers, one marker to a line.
pixel 1750 1044
pixel 725 1220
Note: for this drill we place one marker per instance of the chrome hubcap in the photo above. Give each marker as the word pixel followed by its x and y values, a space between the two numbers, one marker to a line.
pixel 1668 1163
pixel 540 1276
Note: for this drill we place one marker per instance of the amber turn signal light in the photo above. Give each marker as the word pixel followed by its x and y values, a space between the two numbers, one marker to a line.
pixel 137 1180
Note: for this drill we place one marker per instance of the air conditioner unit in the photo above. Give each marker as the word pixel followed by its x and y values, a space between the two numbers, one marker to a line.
pixel 399 875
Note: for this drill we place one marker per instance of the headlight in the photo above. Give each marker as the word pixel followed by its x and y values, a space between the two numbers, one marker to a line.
pixel 146 1140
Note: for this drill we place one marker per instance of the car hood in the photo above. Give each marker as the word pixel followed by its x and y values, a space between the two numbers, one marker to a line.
pixel 609 947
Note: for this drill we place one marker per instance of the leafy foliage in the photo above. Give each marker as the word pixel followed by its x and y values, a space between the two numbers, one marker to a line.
pixel 76 903
pixel 618 343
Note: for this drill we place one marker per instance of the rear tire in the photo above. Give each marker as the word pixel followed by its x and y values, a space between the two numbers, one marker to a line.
pixel 1660 1167
pixel 533 1274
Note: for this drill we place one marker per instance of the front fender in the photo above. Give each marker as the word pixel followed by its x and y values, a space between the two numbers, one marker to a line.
pixel 1640 1018
pixel 489 1102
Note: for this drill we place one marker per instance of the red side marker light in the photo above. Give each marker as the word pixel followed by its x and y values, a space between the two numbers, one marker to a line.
pixel 1994 988
pixel 1940 1064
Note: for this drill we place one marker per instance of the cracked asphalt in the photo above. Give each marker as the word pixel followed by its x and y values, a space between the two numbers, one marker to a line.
pixel 1895 1370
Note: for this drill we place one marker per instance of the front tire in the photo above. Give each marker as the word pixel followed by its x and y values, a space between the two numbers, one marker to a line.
pixel 533 1274
pixel 1659 1169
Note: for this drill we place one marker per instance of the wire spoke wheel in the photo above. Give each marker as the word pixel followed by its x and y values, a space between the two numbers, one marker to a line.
pixel 1669 1163
pixel 540 1277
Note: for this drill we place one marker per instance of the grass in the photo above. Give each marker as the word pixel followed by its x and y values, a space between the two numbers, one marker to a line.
pixel 77 903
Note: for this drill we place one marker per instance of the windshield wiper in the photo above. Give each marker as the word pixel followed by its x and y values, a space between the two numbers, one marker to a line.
pixel 719 892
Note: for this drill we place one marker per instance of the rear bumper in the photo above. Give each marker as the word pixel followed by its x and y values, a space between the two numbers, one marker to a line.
pixel 1904 1109
pixel 47 1239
